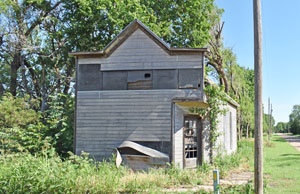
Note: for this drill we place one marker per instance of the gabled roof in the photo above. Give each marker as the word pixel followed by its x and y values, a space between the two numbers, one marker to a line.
pixel 128 30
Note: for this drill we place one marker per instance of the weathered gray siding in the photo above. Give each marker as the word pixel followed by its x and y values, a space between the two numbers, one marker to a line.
pixel 106 118
pixel 89 77
pixel 227 141
pixel 139 51
pixel 178 135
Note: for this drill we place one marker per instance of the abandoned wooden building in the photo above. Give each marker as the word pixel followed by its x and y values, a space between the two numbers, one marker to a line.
pixel 141 90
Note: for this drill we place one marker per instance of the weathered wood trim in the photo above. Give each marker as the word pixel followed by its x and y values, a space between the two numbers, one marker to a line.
pixel 183 144
pixel 171 157
pixel 202 75
pixel 75 115
pixel 200 143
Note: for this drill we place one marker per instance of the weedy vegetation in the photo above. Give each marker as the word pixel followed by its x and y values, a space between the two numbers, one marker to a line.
pixel 47 172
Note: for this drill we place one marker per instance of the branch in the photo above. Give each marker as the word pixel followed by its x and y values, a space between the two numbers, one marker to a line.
pixel 34 79
pixel 41 19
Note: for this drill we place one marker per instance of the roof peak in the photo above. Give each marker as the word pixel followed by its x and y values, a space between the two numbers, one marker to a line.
pixel 130 29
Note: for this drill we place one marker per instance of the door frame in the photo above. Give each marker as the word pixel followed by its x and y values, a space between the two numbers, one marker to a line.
pixel 199 138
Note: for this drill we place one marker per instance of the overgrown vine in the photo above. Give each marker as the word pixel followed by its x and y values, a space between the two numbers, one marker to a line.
pixel 216 99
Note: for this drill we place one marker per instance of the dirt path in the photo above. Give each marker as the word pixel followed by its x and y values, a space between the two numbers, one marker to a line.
pixel 232 180
pixel 294 141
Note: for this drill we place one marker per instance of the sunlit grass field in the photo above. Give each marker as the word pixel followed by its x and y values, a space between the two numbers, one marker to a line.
pixel 281 167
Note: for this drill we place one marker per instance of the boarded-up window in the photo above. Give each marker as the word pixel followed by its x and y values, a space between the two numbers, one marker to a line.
pixel 89 77
pixel 165 79
pixel 139 80
pixel 189 78
pixel 115 80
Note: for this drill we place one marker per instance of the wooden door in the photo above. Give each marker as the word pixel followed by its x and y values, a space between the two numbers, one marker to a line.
pixel 192 139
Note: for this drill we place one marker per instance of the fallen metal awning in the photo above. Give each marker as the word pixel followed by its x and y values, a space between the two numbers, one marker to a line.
pixel 138 157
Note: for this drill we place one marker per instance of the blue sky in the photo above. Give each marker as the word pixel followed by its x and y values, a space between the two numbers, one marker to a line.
pixel 281 42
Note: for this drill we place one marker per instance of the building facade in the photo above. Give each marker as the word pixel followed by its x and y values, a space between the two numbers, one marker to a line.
pixel 139 89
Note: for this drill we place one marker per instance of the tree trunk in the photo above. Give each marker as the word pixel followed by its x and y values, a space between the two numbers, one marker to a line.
pixel 1 89
pixel 225 81
pixel 34 79
pixel 239 126
pixel 247 131
pixel 13 72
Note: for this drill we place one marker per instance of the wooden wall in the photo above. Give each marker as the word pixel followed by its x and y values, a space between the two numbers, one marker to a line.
pixel 139 52
pixel 106 118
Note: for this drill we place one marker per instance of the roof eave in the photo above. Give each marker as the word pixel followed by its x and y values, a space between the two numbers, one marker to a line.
pixel 88 53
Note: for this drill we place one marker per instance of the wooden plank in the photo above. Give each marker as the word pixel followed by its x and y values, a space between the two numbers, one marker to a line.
pixel 152 92
pixel 112 124
pixel 153 58
pixel 112 117
pixel 87 94
pixel 123 136
pixel 132 101
pixel 161 114
pixel 131 122
pixel 122 94
pixel 114 66
pixel 122 132
pixel 108 125
pixel 138 109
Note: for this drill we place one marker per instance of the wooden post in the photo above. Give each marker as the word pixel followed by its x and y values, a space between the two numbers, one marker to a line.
pixel 269 113
pixel 258 163
pixel 271 121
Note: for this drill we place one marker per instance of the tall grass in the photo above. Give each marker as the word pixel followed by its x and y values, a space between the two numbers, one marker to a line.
pixel 48 173
pixel 243 155
pixel 25 173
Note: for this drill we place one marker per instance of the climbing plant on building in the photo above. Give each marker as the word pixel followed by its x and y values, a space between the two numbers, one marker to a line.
pixel 216 100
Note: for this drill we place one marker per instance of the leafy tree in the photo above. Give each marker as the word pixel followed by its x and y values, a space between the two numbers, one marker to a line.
pixel 266 123
pixel 294 122
pixel 281 127
pixel 19 37
pixel 36 36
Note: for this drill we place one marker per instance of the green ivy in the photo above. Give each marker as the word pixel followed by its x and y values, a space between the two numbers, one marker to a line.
pixel 216 100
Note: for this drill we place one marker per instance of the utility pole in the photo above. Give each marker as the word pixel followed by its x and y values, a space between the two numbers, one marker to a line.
pixel 269 113
pixel 271 126
pixel 258 163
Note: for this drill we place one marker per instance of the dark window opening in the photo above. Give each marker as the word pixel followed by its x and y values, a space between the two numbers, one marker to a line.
pixel 147 75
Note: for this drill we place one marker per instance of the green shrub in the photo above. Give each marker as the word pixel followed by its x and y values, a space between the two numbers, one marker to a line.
pixel 20 128
pixel 59 119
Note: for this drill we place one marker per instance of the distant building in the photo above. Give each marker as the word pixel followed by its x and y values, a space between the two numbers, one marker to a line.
pixel 139 89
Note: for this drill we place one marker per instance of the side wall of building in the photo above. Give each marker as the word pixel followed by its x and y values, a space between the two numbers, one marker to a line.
pixel 227 128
